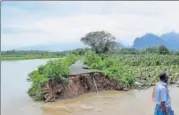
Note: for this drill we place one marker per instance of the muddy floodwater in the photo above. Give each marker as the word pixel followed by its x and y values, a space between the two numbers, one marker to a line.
pixel 109 103
pixel 15 101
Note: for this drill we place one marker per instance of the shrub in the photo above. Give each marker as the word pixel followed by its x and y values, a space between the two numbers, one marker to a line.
pixel 111 67
pixel 57 70
pixel 71 59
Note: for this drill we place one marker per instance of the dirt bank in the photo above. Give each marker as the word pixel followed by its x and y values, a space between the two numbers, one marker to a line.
pixel 79 84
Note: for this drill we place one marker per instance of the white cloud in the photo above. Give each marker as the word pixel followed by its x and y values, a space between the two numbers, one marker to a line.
pixel 125 20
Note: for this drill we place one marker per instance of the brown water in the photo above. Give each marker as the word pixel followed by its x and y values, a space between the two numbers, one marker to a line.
pixel 109 102
pixel 15 101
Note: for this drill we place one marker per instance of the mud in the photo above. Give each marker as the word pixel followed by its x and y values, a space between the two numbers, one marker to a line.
pixel 78 85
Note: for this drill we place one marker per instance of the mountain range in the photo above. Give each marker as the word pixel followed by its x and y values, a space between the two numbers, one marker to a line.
pixel 170 40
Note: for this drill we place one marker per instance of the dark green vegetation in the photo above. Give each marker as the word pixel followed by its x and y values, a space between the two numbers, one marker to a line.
pixel 57 70
pixel 160 50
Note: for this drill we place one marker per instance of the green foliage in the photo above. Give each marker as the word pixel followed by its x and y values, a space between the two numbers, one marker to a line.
pixel 149 66
pixel 151 50
pixel 57 70
pixel 177 52
pixel 81 51
pixel 36 90
pixel 160 50
pixel 71 59
pixel 148 60
pixel 111 67
pixel 126 68
pixel 36 76
pixel 127 51
pixel 163 50
pixel 93 60
pixel 100 41
pixel 121 73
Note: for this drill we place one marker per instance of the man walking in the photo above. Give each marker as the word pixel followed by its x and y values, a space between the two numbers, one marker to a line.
pixel 162 97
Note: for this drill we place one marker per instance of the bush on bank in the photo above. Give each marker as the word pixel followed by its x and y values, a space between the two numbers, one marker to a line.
pixel 111 67
pixel 57 70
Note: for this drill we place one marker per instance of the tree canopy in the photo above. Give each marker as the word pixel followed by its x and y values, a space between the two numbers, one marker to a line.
pixel 100 41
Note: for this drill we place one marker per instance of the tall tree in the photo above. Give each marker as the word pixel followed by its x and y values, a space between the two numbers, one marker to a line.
pixel 100 41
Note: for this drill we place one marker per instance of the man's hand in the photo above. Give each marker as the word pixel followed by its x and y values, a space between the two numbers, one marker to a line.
pixel 164 108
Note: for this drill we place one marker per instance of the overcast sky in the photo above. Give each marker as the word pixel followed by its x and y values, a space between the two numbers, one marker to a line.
pixel 32 23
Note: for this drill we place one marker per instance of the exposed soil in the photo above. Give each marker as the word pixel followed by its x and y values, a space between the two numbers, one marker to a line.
pixel 79 84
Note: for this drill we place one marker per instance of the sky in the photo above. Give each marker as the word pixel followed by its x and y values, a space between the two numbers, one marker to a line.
pixel 28 23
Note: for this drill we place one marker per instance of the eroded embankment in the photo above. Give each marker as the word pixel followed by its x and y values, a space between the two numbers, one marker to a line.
pixel 79 84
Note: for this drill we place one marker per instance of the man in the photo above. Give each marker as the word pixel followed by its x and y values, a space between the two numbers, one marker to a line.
pixel 162 97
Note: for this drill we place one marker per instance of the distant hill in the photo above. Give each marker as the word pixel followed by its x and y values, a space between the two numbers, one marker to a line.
pixel 170 40
pixel 148 40
pixel 53 47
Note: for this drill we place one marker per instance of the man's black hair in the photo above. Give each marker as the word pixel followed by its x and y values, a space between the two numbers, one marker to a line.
pixel 163 75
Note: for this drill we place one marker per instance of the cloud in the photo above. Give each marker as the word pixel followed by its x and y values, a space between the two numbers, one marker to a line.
pixel 33 23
